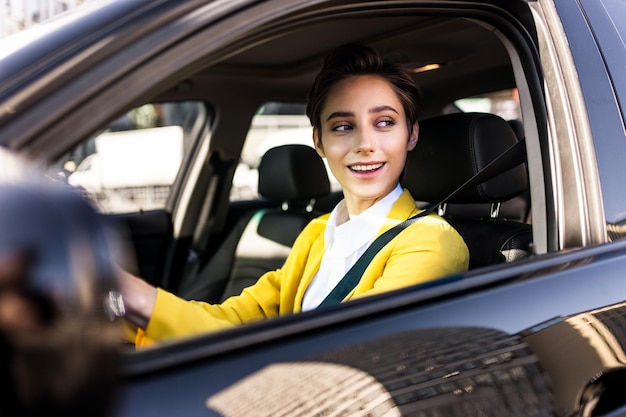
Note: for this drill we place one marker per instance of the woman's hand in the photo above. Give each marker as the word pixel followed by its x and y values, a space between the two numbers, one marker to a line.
pixel 139 298
pixel 18 312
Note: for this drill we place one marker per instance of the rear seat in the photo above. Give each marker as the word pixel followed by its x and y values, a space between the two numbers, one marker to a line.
pixel 292 175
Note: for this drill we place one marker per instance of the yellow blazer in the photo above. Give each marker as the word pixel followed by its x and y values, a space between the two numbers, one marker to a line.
pixel 428 249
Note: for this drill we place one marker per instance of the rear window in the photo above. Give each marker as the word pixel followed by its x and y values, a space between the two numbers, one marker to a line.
pixel 274 124
pixel 503 103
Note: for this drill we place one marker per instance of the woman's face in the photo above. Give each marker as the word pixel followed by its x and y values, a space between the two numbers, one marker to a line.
pixel 365 138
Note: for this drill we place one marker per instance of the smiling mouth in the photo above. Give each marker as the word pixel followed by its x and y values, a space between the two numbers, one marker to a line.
pixel 366 168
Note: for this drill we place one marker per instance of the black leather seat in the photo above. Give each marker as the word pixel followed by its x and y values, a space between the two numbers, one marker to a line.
pixel 450 150
pixel 292 175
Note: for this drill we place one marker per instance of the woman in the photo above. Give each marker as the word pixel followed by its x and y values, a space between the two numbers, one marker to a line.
pixel 364 117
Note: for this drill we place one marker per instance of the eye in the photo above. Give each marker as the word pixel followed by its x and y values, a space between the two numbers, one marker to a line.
pixel 386 122
pixel 342 127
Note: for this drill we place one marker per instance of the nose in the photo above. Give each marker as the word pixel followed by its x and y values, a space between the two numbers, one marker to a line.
pixel 364 141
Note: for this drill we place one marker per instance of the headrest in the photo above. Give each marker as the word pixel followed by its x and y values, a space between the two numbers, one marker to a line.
pixel 292 173
pixel 452 148
pixel 518 127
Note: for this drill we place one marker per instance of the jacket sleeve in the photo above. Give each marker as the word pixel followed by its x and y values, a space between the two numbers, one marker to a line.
pixel 174 317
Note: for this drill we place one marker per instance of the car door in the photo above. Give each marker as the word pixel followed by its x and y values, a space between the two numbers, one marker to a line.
pixel 575 269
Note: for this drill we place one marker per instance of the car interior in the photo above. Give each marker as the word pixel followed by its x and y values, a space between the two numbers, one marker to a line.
pixel 293 176
pixel 204 244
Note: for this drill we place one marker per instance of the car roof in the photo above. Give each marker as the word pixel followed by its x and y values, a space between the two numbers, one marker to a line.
pixel 276 60
pixel 461 47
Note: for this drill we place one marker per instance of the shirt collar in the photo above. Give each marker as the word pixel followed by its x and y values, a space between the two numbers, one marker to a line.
pixel 363 227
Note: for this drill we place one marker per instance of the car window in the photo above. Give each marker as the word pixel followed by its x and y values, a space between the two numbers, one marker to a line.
pixel 131 165
pixel 274 124
pixel 503 103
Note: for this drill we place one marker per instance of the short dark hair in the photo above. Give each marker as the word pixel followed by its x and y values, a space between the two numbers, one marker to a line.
pixel 352 60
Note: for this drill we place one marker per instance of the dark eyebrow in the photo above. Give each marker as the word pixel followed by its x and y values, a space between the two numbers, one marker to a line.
pixel 383 108
pixel 339 114
pixel 376 109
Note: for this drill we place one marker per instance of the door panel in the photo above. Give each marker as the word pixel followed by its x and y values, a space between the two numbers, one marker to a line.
pixel 149 235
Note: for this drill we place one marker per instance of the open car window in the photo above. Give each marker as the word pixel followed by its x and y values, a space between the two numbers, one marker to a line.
pixel 259 94
pixel 245 132
pixel 274 124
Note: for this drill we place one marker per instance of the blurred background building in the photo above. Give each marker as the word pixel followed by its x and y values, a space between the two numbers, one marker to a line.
pixel 16 15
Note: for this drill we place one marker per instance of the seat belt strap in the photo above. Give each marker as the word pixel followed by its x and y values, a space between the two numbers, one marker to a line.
pixel 208 220
pixel 510 158
pixel 353 276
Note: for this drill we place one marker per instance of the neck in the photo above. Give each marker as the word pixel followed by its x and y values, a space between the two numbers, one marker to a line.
pixel 356 205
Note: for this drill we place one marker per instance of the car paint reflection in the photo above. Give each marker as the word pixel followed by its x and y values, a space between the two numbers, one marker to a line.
pixel 576 349
pixel 565 366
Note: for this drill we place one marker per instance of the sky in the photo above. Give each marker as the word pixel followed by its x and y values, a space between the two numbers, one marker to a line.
pixel 16 15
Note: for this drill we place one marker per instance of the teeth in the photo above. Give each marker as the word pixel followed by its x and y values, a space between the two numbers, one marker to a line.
pixel 362 168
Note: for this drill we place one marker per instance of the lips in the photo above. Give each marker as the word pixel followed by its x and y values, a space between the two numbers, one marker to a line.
pixel 365 168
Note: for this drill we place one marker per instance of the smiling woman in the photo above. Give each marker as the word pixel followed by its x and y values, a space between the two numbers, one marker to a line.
pixel 363 112
pixel 365 143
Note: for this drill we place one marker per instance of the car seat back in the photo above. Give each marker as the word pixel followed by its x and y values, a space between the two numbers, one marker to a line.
pixel 453 148
pixel 291 175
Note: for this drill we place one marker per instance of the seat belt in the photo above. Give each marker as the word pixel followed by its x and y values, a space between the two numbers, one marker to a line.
pixel 507 160
pixel 207 222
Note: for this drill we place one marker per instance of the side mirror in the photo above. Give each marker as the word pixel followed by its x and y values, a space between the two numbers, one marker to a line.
pixel 57 264
pixel 604 394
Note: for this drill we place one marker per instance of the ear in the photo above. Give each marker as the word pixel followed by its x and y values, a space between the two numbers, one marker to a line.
pixel 413 137
pixel 317 143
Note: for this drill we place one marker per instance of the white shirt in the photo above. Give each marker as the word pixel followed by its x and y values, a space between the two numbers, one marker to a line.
pixel 344 242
